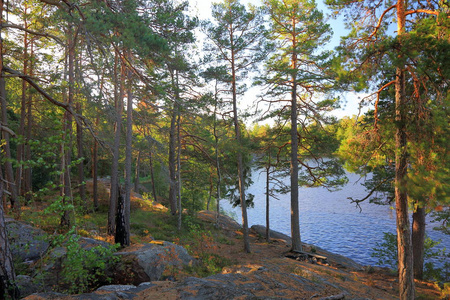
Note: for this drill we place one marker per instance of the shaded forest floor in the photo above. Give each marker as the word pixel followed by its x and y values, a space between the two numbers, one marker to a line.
pixel 218 246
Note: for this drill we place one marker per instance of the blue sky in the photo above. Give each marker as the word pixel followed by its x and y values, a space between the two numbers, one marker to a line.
pixel 202 8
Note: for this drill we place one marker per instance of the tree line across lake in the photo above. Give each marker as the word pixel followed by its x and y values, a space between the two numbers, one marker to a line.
pixel 127 89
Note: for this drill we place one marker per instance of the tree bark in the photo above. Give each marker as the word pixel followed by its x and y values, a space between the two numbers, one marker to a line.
pixel 66 145
pixel 405 255
pixel 137 171
pixel 172 156
pixel 118 102
pixel 7 273
pixel 23 110
pixel 95 170
pixel 80 156
pixel 418 241
pixel 152 174
pixel 268 201
pixel 180 210
pixel 128 154
pixel 10 183
pixel 295 216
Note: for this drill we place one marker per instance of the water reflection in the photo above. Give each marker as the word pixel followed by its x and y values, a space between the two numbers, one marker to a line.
pixel 328 219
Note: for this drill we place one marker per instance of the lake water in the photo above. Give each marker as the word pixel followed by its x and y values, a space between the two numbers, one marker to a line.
pixel 328 219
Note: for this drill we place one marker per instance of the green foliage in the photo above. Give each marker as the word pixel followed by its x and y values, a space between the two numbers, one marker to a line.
pixel 83 269
pixel 386 253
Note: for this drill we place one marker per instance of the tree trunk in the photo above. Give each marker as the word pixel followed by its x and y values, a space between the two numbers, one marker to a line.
pixel 5 135
pixel 120 235
pixel 128 154
pixel 240 164
pixel 82 185
pixel 152 174
pixel 295 216
pixel 66 145
pixel 137 171
pixel 418 241
pixel 216 154
pixel 118 102
pixel 405 255
pixel 268 201
pixel 95 170
pixel 180 211
pixel 7 274
pixel 172 159
pixel 27 172
pixel 23 110
pixel 11 187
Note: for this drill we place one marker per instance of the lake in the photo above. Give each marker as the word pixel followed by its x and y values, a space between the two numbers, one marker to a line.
pixel 328 219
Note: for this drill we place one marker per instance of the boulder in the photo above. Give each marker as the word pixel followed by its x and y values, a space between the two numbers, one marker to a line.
pixel 147 262
pixel 28 243
pixel 224 221
pixel 26 285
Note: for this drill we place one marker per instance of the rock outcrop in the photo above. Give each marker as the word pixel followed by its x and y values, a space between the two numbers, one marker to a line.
pixel 147 262
pixel 27 243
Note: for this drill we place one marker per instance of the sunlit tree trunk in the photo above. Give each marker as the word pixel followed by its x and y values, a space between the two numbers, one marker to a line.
pixel 295 216
pixel 405 255
pixel 240 164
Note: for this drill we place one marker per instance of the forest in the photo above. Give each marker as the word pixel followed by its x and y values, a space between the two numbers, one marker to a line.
pixel 144 95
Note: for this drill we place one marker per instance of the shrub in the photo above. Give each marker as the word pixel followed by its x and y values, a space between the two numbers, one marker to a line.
pixel 386 252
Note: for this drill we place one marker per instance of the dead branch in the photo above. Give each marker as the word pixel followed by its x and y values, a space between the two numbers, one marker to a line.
pixel 43 34
pixel 81 120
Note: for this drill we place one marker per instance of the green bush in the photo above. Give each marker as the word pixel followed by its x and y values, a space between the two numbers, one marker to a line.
pixel 386 252
pixel 83 269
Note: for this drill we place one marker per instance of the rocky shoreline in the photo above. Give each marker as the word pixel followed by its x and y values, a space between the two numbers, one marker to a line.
pixel 266 273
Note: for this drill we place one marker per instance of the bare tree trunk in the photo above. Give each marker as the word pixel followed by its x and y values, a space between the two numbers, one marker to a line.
pixel 268 200
pixel 418 241
pixel 295 215
pixel 120 235
pixel 172 160
pixel 66 145
pixel 118 101
pixel 137 171
pixel 216 153
pixel 82 185
pixel 10 183
pixel 180 211
pixel 152 174
pixel 405 255
pixel 128 154
pixel 240 164
pixel 211 187
pixel 27 173
pixel 95 170
pixel 7 274
pixel 23 110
